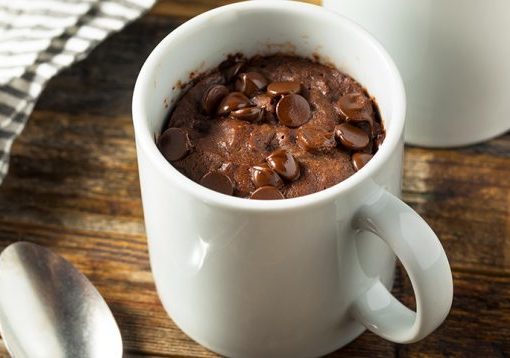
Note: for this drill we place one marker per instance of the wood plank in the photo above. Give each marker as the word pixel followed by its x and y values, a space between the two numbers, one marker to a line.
pixel 465 197
pixel 478 325
pixel 185 9
pixel 146 330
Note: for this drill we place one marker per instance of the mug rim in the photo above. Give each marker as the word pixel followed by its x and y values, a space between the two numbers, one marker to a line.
pixel 145 140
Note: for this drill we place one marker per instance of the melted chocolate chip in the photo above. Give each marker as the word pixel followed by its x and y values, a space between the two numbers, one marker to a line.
pixel 293 110
pixel 233 101
pixel 232 71
pixel 284 163
pixel 174 144
pixel 360 159
pixel 316 140
pixel 267 193
pixel 219 182
pixel 352 137
pixel 262 175
pixel 355 107
pixel 249 114
pixel 212 98
pixel 250 83
pixel 278 88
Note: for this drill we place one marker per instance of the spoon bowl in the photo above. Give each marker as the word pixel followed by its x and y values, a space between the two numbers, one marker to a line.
pixel 49 309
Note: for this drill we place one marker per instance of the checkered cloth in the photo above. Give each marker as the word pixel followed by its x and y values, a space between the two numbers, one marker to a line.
pixel 38 38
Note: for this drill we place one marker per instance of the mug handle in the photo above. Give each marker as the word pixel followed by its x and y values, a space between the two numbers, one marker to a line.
pixel 424 259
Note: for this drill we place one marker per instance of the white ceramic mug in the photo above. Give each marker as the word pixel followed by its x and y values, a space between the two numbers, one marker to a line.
pixel 298 277
pixel 454 57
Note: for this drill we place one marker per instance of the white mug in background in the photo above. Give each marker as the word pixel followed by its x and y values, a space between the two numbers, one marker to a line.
pixel 298 277
pixel 454 57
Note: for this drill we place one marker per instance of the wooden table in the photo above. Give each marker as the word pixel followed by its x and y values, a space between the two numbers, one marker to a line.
pixel 73 187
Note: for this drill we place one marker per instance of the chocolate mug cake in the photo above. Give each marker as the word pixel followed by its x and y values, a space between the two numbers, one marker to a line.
pixel 272 127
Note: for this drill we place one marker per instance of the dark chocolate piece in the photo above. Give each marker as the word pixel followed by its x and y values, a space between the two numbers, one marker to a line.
pixel 232 71
pixel 284 163
pixel 212 98
pixel 233 101
pixel 356 107
pixel 293 110
pixel 219 182
pixel 288 87
pixel 250 83
pixel 352 137
pixel 174 144
pixel 249 114
pixel 262 175
pixel 359 160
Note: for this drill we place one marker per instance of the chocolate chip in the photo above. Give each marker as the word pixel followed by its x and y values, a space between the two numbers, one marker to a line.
pixel 231 72
pixel 233 101
pixel 316 140
pixel 264 101
pixel 212 98
pixel 277 88
pixel 267 193
pixel 218 181
pixel 250 83
pixel 262 175
pixel 293 110
pixel 249 114
pixel 355 107
pixel 174 144
pixel 360 159
pixel 352 137
pixel 284 163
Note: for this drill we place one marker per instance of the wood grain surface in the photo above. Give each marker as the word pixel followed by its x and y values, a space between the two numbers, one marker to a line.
pixel 73 187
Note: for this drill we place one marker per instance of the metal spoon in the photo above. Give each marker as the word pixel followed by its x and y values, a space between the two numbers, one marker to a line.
pixel 48 309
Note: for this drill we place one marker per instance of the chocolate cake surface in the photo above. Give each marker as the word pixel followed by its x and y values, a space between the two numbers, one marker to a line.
pixel 271 128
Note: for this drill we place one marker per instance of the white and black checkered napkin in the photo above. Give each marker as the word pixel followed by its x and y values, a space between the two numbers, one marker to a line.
pixel 38 38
